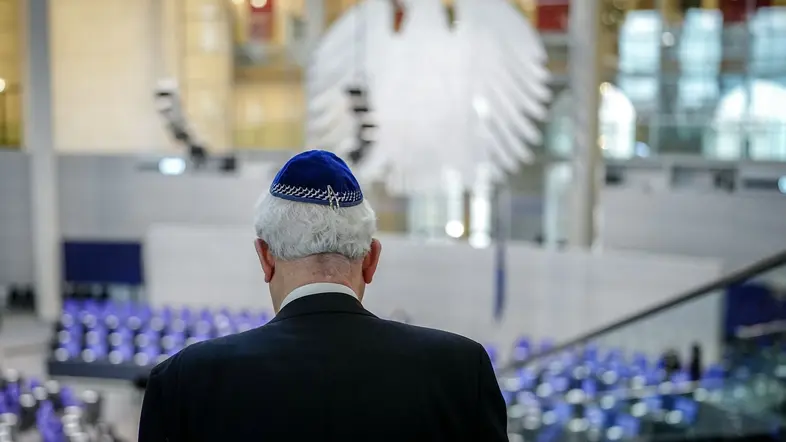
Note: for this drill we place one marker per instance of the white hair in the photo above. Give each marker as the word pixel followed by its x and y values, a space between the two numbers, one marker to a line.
pixel 296 230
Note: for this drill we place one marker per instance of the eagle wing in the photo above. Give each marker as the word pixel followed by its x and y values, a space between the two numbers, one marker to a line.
pixel 421 82
pixel 511 80
pixel 343 59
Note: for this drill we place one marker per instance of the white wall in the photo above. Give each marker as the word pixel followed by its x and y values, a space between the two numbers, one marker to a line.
pixel 559 295
pixel 109 198
pixel 739 229
pixel 104 68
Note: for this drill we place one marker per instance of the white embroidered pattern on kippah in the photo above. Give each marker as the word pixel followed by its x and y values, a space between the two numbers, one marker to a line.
pixel 316 194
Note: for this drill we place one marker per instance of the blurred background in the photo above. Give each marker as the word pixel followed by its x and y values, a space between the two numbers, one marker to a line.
pixel 627 271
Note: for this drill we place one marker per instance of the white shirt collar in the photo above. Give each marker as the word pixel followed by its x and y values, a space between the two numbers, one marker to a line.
pixel 316 288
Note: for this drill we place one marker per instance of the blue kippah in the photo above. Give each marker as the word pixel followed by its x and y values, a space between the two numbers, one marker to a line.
pixel 317 177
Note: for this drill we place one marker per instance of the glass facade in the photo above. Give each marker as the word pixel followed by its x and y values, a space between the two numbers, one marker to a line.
pixel 702 76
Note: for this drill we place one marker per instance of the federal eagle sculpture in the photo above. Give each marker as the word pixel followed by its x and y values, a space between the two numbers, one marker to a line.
pixel 452 90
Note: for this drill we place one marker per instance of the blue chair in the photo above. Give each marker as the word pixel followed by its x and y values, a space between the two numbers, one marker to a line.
pixel 559 384
pixel 590 387
pixel 527 379
pixel 688 408
pixel 590 352
pixel 640 361
pixel 492 352
pixel 629 425
pixel 595 417
pixel 546 345
pixel 563 411
pixel 713 377
pixel 654 404
pixel 614 355
pixel 522 350
pixel 121 354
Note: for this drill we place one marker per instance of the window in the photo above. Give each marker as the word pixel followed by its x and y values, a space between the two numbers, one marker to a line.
pixel 749 123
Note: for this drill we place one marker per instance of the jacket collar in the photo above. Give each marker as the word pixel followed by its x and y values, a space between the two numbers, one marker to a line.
pixel 321 303
pixel 315 289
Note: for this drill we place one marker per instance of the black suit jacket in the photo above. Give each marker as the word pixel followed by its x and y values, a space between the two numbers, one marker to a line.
pixel 325 369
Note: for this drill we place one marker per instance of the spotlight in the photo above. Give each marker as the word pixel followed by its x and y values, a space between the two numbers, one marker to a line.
pixel 228 164
pixel 167 102
pixel 360 109
pixel 367 132
pixel 454 229
pixel 358 98
pixel 356 91
pixel 198 155
pixel 359 152
pixel 172 166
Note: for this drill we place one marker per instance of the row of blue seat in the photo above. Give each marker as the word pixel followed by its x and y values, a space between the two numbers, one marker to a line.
pixel 56 412
pixel 120 333
pixel 600 393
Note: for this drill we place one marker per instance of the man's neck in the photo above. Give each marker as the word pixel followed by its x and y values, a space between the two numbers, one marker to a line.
pixel 317 288
pixel 288 288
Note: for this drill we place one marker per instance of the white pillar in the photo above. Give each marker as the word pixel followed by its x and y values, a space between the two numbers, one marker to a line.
pixel 454 204
pixel 480 208
pixel 315 21
pixel 584 34
pixel 39 142
pixel 556 216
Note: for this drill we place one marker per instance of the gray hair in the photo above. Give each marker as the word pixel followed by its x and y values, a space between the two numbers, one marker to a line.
pixel 295 230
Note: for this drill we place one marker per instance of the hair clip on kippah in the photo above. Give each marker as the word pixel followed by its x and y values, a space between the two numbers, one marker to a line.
pixel 332 197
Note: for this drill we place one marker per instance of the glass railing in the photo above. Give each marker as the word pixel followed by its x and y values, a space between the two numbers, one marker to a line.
pixel 710 364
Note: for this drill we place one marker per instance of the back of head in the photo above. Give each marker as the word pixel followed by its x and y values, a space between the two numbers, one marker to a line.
pixel 295 230
pixel 315 226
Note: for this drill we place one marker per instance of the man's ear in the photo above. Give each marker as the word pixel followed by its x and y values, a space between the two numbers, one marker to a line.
pixel 266 259
pixel 371 260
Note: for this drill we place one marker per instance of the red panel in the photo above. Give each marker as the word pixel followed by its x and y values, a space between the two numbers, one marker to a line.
pixel 261 20
pixel 737 10
pixel 553 16
pixel 398 15
pixel 261 6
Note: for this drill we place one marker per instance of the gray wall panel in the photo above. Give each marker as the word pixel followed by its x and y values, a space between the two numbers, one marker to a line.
pixel 109 198
pixel 16 256
pixel 737 228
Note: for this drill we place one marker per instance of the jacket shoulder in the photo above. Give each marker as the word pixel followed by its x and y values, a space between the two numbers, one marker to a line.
pixel 432 337
pixel 200 355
